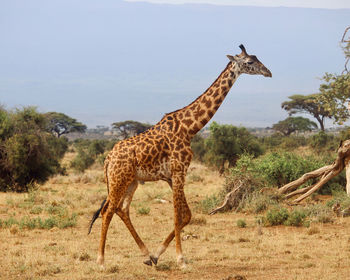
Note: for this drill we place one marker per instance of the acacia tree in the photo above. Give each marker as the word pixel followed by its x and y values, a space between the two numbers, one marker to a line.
pixel 130 128
pixel 293 124
pixel 335 91
pixel 59 124
pixel 309 104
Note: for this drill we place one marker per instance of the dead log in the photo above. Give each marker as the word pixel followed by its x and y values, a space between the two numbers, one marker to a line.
pixel 238 190
pixel 325 173
pixel 231 200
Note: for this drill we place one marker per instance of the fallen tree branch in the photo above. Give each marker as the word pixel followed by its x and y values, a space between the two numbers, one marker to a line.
pixel 229 200
pixel 326 173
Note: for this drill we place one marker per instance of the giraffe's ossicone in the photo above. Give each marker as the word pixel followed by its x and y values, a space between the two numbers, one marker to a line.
pixel 163 152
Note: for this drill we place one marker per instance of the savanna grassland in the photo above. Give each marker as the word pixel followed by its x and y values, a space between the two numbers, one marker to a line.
pixel 43 235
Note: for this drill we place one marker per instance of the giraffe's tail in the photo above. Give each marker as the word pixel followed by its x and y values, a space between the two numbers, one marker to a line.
pixel 105 171
pixel 96 214
pixel 106 201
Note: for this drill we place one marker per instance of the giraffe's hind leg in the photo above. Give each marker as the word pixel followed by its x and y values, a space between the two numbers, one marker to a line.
pixel 123 213
pixel 107 214
pixel 118 189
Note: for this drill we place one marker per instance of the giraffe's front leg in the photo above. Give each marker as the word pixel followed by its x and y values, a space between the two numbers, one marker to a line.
pixel 182 216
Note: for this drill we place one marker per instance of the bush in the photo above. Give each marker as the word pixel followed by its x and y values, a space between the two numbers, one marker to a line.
pixel 198 147
pixel 259 202
pixel 324 141
pixel 143 210
pixel 271 142
pixel 90 151
pixel 241 223
pixel 82 161
pixel 32 223
pixel 227 142
pixel 280 168
pixel 319 213
pixel 27 152
pixel 208 204
pixel 276 216
pixel 339 197
pixel 293 142
pixel 296 218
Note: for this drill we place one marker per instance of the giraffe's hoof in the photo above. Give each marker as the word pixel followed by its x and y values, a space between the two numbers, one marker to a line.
pixel 154 259
pixel 148 262
pixel 100 260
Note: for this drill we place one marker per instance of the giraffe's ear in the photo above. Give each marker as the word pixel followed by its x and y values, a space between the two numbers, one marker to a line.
pixel 231 58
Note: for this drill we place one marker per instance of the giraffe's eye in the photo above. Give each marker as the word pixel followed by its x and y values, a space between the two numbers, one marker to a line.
pixel 250 62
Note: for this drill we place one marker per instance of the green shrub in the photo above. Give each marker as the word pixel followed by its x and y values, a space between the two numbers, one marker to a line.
pixel 37 222
pixel 28 153
pixel 198 147
pixel 194 178
pixel 68 221
pixel 208 204
pixel 143 210
pixel 323 141
pixel 82 161
pixel 241 223
pixel 296 218
pixel 339 197
pixel 319 213
pixel 227 142
pixel 36 210
pixel 276 216
pixel 259 202
pixel 90 151
pixel 280 168
pixel 344 133
pixel 56 210
pixel 293 142
pixel 96 147
pixel 271 142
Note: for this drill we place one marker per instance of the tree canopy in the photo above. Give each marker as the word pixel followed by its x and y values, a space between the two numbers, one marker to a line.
pixel 226 142
pixel 293 124
pixel 59 124
pixel 333 99
pixel 335 91
pixel 309 104
pixel 27 152
pixel 130 128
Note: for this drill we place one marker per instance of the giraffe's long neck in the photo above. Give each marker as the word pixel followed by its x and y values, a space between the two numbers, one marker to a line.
pixel 197 114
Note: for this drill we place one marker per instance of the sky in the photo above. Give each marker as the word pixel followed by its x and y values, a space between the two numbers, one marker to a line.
pixel 323 4
pixel 111 60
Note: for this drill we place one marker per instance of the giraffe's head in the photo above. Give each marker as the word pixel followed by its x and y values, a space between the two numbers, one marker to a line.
pixel 248 64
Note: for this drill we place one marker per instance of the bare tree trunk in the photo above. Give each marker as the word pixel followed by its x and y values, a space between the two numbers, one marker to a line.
pixel 326 173
pixel 347 172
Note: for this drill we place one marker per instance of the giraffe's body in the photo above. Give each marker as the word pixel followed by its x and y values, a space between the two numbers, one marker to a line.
pixel 163 152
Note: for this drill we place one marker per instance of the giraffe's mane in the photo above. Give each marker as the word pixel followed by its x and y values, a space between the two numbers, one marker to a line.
pixel 167 114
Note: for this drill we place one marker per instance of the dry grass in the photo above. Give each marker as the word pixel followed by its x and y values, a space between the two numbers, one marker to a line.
pixel 215 248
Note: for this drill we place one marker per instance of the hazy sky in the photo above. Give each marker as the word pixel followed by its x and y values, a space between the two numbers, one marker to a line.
pixel 324 4
pixel 110 60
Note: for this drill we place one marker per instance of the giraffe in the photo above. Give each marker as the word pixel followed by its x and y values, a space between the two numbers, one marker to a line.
pixel 163 152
